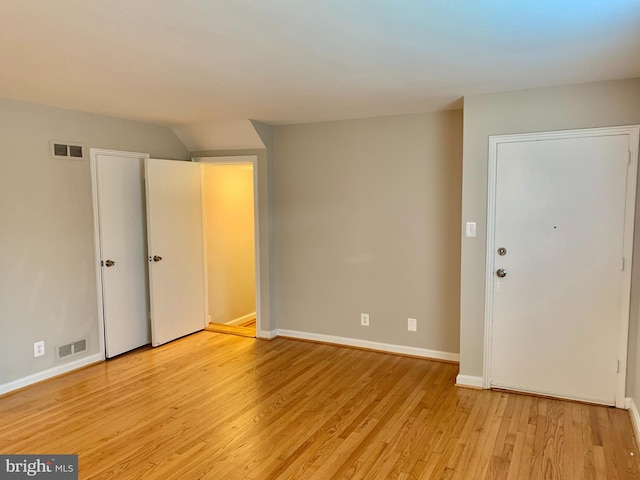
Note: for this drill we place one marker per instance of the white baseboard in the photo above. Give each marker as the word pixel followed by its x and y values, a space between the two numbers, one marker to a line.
pixel 267 334
pixel 49 373
pixel 469 381
pixel 239 320
pixel 382 347
pixel 635 418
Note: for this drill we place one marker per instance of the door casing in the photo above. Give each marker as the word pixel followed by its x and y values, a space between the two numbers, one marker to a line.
pixel 494 141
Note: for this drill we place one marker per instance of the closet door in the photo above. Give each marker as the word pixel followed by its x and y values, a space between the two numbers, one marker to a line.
pixel 119 185
pixel 175 245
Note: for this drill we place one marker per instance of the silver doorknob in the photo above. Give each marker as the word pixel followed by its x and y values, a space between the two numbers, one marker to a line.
pixel 157 258
pixel 109 263
pixel 501 272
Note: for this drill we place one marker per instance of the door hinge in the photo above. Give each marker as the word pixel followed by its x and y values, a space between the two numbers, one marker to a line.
pixel 623 265
pixel 618 367
pixel 629 157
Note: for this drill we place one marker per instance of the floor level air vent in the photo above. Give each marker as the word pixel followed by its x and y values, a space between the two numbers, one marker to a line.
pixel 80 346
pixel 65 350
pixel 73 348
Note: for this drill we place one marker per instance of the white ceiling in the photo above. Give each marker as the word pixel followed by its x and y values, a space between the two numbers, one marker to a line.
pixel 188 62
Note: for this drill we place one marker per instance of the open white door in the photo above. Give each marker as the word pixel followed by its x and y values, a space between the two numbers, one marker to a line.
pixel 175 237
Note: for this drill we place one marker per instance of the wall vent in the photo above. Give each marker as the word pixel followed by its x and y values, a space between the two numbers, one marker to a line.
pixel 65 350
pixel 66 150
pixel 73 348
pixel 80 346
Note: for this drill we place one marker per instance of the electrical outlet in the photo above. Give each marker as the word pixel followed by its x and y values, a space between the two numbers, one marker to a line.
pixel 364 319
pixel 38 348
pixel 412 324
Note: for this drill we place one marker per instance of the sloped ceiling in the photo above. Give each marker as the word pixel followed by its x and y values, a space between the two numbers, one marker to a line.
pixel 222 135
pixel 199 62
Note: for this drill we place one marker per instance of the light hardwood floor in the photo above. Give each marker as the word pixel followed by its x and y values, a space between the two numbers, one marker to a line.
pixel 246 329
pixel 226 407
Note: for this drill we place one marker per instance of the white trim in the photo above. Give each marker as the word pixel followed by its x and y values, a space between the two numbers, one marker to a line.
pixel 242 319
pixel 382 347
pixel 256 242
pixel 266 334
pixel 51 372
pixel 494 140
pixel 253 160
pixel 205 257
pixel 635 418
pixel 489 260
pixel 93 152
pixel 226 160
pixel 469 381
pixel 625 300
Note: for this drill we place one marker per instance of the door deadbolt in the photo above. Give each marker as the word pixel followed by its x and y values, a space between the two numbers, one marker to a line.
pixel 502 251
pixel 109 263
pixel 157 258
pixel 501 272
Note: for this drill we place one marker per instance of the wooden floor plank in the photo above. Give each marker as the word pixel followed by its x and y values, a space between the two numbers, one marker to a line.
pixel 243 330
pixel 212 406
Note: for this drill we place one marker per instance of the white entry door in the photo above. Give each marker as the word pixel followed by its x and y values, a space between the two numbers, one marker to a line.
pixel 560 276
pixel 176 256
pixel 120 201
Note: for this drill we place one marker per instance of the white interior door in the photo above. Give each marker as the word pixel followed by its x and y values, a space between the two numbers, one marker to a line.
pixel 123 250
pixel 175 237
pixel 560 218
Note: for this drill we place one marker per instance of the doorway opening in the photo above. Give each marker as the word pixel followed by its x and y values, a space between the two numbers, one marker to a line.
pixel 229 213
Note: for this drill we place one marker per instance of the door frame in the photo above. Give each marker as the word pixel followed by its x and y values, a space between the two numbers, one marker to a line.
pixel 97 239
pixel 240 160
pixel 494 140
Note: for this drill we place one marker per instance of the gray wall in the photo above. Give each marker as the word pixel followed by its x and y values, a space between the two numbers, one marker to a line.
pixel 367 219
pixel 570 107
pixel 47 264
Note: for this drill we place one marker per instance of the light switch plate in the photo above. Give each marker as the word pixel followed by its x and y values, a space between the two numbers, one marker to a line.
pixel 412 324
pixel 471 229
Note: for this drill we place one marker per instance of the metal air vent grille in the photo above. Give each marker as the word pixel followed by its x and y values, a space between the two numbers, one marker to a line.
pixel 66 150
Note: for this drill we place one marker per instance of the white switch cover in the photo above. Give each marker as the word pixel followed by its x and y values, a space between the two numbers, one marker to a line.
pixel 471 229
pixel 412 324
